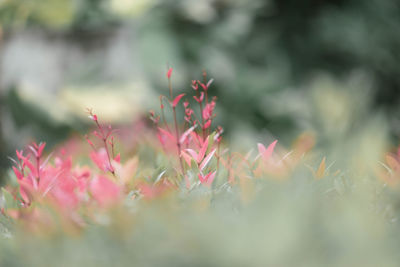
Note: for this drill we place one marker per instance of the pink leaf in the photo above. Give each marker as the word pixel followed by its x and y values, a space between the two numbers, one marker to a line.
pixel 44 163
pixel 197 138
pixel 24 190
pixel 185 134
pixel 118 158
pixel 207 159
pixel 193 154
pixel 35 153
pixel 169 73
pixel 176 100
pixel 100 159
pixel 202 151
pixel 208 179
pixel 104 191
pixel 199 100
pixel 187 158
pixel 266 153
pixel 17 173
pixel 211 177
pixel 30 166
pixel 207 124
pixel 40 149
pixel 20 154
pixel 209 83
pixel 205 88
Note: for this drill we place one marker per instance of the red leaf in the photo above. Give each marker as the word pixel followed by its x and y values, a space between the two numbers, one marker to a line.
pixel 205 88
pixel 40 150
pixel 176 100
pixel 89 141
pixel 17 173
pixel 207 124
pixel 30 166
pixel 199 100
pixel 20 154
pixel 169 73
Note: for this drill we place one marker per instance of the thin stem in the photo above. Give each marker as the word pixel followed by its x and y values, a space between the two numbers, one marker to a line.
pixel 178 144
pixel 176 126
pixel 108 156
pixel 218 155
pixel 170 88
pixel 184 126
pixel 104 139
pixel 201 115
pixel 112 148
pixel 163 115
pixel 205 83
pixel 38 169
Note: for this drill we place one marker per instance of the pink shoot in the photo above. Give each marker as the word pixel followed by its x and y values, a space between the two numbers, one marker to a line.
pixel 169 73
pixel 207 124
pixel 207 159
pixel 103 133
pixel 266 153
pixel 177 99
pixel 208 179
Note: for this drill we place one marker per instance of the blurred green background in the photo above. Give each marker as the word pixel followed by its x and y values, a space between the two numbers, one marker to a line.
pixel 280 67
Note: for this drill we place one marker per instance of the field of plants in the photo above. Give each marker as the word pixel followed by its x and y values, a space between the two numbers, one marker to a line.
pixel 175 194
pixel 199 133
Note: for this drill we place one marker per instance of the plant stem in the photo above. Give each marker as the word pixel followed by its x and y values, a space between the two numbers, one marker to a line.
pixel 201 115
pixel 108 156
pixel 38 169
pixel 178 144
pixel 104 139
pixel 170 88
pixel 163 115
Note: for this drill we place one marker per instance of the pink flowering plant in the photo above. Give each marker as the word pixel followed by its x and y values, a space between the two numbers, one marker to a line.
pixel 50 186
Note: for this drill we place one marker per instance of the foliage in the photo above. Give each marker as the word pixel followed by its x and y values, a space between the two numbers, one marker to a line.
pixel 176 194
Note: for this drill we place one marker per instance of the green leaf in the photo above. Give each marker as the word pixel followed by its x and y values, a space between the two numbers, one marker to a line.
pixel 195 166
pixel 211 140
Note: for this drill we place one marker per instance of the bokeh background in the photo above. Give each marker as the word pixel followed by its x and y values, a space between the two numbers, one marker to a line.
pixel 280 67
